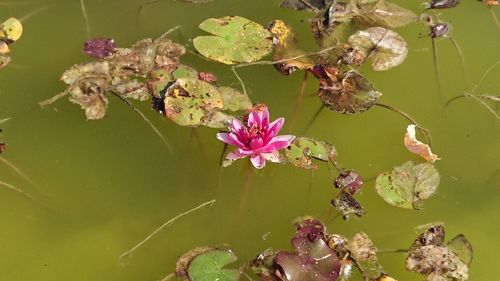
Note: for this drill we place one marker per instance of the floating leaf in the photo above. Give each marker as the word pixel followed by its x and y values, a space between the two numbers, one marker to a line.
pixel 11 30
pixel 189 101
pixel 353 94
pixel 236 39
pixel 184 71
pixel 207 264
pixel 437 262
pixel 408 185
pixel 4 48
pixel 307 5
pixel 433 235
pixel 346 205
pixel 385 14
pixel 364 252
pixel 443 4
pixel 462 248
pixel 218 120
pixel 418 147
pixel 302 151
pixel 386 48
pixel 350 180
pixel 130 89
pixel 4 60
pixel 235 100
pixel 99 47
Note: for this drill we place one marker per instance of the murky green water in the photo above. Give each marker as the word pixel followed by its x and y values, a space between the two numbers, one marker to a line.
pixel 109 183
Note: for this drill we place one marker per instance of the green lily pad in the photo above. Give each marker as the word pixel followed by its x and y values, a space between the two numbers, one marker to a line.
pixel 408 185
pixel 386 48
pixel 235 100
pixel 385 14
pixel 302 151
pixel 189 101
pixel 184 71
pixel 11 29
pixel 462 248
pixel 209 266
pixel 353 94
pixel 234 40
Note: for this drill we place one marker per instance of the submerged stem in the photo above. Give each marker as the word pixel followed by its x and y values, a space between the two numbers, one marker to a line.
pixel 436 67
pixel 462 60
pixel 316 115
pixel 16 170
pixel 86 19
pixel 298 103
pixel 166 224
pixel 494 16
pixel 153 127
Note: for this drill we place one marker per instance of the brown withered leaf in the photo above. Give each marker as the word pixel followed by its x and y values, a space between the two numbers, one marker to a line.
pixel 418 147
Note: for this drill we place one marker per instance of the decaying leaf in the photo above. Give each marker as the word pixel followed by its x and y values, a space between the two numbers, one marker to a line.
pixel 351 94
pixel 347 205
pixel 418 147
pixel 207 264
pixel 99 47
pixel 302 151
pixel 385 14
pixel 408 185
pixel 350 180
pixel 364 252
pixel 4 60
pixel 11 30
pixel 234 40
pixel 307 5
pixel 430 257
pixel 386 48
pixel 235 100
pixel 443 4
pixel 189 101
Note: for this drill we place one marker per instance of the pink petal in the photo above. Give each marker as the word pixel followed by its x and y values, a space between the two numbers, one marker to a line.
pixel 258 161
pixel 275 127
pixel 278 143
pixel 256 143
pixel 253 119
pixel 230 138
pixel 235 155
pixel 236 125
pixel 264 117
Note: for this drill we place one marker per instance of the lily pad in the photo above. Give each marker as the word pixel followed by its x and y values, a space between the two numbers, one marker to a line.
pixel 462 248
pixel 353 94
pixel 302 151
pixel 433 235
pixel 437 263
pixel 4 61
pixel 4 48
pixel 386 48
pixel 235 40
pixel 185 71
pixel 385 14
pixel 307 5
pixel 11 30
pixel 235 100
pixel 408 185
pixel 189 101
pixel 206 264
pixel 347 205
pixel 364 252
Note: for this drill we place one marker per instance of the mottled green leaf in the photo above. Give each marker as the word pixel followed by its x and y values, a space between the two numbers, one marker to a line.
pixel 302 151
pixel 386 48
pixel 385 14
pixel 347 205
pixel 184 71
pixel 235 40
pixel 235 100
pixel 353 94
pixel 408 185
pixel 189 101
pixel 462 248
pixel 209 266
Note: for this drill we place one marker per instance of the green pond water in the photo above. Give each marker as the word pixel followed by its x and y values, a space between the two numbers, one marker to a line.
pixel 110 183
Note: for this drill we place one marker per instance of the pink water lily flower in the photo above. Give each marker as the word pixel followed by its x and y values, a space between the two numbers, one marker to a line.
pixel 257 139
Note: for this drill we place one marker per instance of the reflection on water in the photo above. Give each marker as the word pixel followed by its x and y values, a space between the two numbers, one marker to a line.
pixel 110 183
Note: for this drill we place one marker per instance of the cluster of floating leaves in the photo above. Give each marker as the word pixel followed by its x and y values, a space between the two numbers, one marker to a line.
pixel 10 31
pixel 322 256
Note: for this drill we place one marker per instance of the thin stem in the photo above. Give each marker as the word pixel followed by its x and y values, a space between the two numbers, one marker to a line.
pixel 436 67
pixel 224 150
pixel 86 19
pixel 409 118
pixel 25 194
pixel 309 5
pixel 298 103
pixel 485 74
pixel 491 110
pixel 494 16
pixel 316 115
pixel 53 99
pixel 166 224
pixel 168 277
pixel 462 60
pixel 247 186
pixel 153 127
pixel 16 170
pixel 32 13
pixel 393 251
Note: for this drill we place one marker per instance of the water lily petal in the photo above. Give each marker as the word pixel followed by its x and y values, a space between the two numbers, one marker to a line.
pixel 236 125
pixel 274 128
pixel 233 155
pixel 256 143
pixel 253 119
pixel 264 117
pixel 230 138
pixel 278 143
pixel 258 161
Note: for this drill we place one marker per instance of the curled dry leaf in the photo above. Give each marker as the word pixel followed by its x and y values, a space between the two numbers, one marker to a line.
pixel 418 147
pixel 188 101
pixel 351 94
pixel 347 205
pixel 386 48
pixel 408 185
pixel 385 14
pixel 302 151
pixel 364 253
pixel 234 40
pixel 350 180
pixel 207 264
